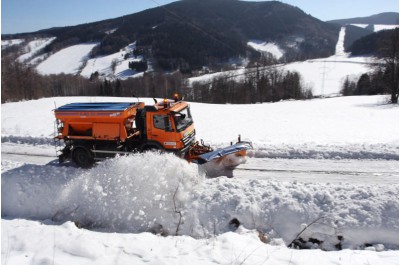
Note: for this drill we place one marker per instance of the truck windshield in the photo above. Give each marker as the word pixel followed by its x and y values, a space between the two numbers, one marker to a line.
pixel 183 119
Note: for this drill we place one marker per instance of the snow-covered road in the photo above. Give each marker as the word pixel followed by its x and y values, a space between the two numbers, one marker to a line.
pixel 321 170
pixel 302 170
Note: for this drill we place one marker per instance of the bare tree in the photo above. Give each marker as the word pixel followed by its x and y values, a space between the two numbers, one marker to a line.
pixel 389 53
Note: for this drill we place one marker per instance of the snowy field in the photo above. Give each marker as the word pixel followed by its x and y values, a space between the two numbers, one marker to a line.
pixel 118 202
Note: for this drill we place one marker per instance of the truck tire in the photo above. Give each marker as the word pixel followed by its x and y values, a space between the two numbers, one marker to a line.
pixel 82 157
pixel 151 147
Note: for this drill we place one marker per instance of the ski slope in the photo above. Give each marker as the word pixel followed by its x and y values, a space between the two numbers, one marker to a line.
pixel 33 47
pixel 68 61
pixel 377 27
pixel 269 47
pixel 103 65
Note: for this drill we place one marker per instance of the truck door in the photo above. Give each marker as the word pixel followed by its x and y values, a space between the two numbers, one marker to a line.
pixel 162 131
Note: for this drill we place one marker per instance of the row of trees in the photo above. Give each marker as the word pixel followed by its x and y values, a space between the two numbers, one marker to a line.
pixel 138 66
pixel 384 79
pixel 21 82
pixel 376 83
pixel 269 85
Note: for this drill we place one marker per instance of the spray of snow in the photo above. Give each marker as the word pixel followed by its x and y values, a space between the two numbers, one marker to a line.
pixel 123 194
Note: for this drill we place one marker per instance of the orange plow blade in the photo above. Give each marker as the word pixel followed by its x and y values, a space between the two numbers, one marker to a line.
pixel 223 161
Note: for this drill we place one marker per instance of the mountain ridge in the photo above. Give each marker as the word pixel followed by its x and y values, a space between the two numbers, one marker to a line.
pixel 385 18
pixel 191 34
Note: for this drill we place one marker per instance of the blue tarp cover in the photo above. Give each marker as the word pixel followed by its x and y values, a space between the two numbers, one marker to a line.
pixel 97 106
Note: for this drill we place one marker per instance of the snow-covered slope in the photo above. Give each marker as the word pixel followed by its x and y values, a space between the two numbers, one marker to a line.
pixel 34 47
pixel 103 65
pixel 8 43
pixel 325 76
pixel 75 60
pixel 68 61
pixel 263 46
pixel 377 27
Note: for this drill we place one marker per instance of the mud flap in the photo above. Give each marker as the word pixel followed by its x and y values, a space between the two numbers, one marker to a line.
pixel 222 152
pixel 64 156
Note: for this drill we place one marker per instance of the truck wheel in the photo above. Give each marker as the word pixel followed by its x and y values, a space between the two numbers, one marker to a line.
pixel 82 157
pixel 151 148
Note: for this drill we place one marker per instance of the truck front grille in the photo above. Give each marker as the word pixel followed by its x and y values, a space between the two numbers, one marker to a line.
pixel 189 138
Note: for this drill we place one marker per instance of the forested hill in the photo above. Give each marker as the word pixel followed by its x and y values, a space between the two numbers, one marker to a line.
pixel 379 44
pixel 387 18
pixel 192 33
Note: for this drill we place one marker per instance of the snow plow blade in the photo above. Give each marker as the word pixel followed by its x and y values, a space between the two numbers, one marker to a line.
pixel 238 149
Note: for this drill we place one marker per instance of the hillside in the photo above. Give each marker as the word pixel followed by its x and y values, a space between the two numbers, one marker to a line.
pixel 378 44
pixel 387 18
pixel 187 35
pixel 324 76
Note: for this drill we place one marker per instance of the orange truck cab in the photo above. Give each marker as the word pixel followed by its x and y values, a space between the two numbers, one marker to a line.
pixel 95 131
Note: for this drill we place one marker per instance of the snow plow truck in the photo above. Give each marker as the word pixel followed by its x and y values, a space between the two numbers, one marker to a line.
pixel 96 131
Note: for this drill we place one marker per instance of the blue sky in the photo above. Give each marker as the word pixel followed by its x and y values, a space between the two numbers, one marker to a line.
pixel 30 15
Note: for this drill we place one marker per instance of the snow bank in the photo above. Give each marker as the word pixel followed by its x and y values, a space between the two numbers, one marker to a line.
pixel 360 214
pixel 32 242
pixel 152 192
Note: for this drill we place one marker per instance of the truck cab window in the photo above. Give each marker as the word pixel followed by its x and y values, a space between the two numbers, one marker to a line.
pixel 161 122
pixel 183 119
